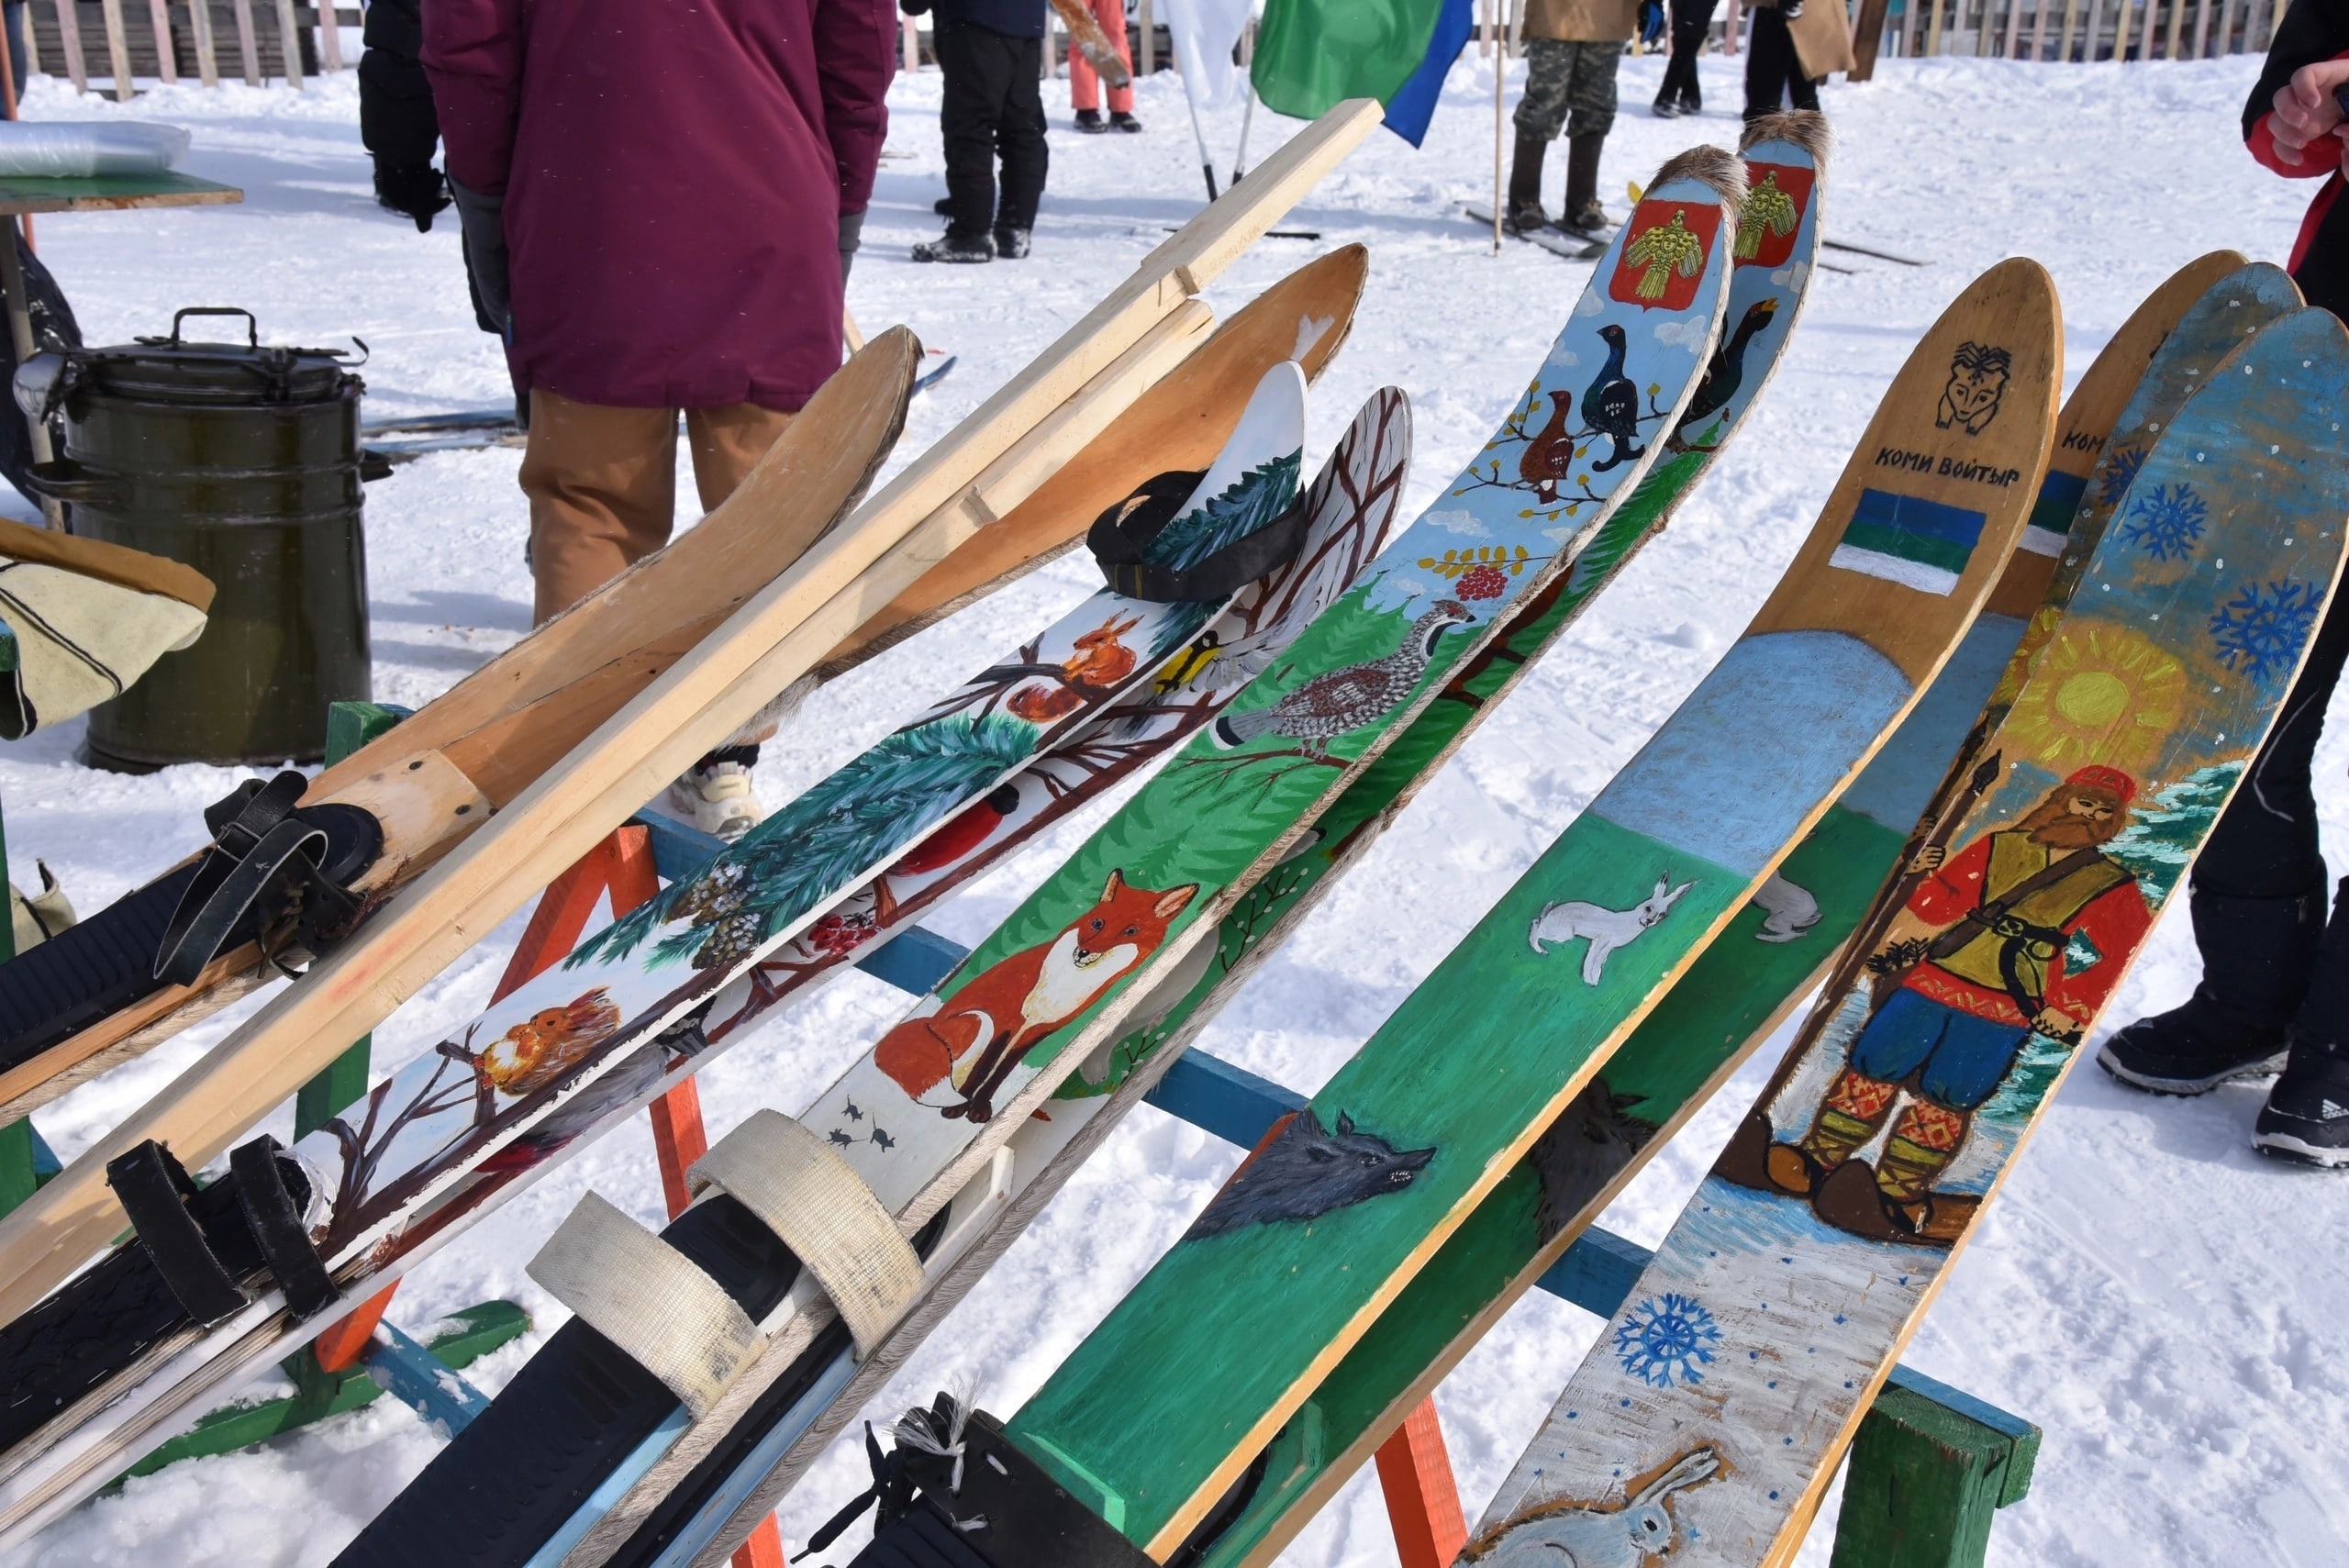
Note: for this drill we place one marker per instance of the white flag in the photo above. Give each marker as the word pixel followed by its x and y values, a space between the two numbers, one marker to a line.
pixel 1206 32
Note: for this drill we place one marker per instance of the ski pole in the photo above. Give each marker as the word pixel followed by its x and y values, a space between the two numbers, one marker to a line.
pixel 1206 164
pixel 1247 115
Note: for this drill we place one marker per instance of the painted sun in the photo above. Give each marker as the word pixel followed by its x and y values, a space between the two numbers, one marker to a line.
pixel 2101 694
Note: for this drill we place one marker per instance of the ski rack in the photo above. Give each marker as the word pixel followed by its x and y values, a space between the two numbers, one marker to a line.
pixel 1930 1466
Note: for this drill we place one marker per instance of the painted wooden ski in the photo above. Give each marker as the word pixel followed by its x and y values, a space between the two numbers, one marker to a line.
pixel 1153 881
pixel 1178 423
pixel 786 630
pixel 1714 1406
pixel 441 1118
pixel 707 1516
pixel 1738 991
pixel 1162 1408
pixel 1349 510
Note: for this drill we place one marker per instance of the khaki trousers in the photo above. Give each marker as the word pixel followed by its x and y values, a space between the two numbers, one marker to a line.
pixel 603 484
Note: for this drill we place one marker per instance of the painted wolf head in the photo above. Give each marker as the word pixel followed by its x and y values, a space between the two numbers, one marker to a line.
pixel 1302 1171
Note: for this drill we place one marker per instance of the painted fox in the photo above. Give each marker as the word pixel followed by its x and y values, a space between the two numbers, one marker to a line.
pixel 978 1035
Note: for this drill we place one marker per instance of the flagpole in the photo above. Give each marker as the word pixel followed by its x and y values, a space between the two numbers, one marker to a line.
pixel 1495 10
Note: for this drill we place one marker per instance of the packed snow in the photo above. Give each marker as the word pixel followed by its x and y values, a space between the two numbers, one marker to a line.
pixel 2166 1306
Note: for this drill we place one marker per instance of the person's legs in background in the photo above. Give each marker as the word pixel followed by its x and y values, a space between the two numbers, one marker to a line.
pixel 1540 115
pixel 1692 21
pixel 1770 66
pixel 602 485
pixel 1084 82
pixel 1019 140
pixel 968 110
pixel 715 793
pixel 1590 101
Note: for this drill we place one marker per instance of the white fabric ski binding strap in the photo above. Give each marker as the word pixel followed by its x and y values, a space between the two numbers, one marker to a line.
pixel 650 1299
pixel 819 1207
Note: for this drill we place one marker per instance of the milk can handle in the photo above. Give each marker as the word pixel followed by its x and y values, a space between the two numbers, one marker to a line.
pixel 253 327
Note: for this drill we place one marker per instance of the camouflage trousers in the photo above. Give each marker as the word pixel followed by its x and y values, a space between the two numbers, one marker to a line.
pixel 1564 77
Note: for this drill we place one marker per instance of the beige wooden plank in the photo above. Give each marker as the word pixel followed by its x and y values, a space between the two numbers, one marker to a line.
pixel 117 49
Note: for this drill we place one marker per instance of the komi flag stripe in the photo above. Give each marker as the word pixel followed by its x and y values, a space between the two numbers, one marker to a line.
pixel 1918 543
pixel 2050 523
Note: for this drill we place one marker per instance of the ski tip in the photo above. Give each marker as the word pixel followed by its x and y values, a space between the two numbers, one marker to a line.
pixel 1707 166
pixel 1805 129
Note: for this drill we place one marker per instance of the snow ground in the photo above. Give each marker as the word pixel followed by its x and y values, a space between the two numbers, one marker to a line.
pixel 2163 1305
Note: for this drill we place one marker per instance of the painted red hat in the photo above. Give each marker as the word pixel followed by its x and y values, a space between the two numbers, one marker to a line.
pixel 2100 777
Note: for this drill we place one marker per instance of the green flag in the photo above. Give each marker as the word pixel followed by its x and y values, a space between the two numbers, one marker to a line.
pixel 1314 54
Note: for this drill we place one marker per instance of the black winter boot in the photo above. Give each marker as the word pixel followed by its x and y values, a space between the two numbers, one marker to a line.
pixel 2306 1115
pixel 1120 119
pixel 1090 122
pixel 2257 958
pixel 1525 215
pixel 953 247
pixel 1583 214
pixel 2306 1118
pixel 1012 244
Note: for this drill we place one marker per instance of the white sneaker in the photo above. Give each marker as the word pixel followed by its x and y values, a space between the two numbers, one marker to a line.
pixel 718 800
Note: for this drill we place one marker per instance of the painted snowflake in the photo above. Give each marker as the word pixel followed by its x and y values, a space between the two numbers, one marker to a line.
pixel 2120 473
pixel 2260 630
pixel 2167 520
pixel 1667 1338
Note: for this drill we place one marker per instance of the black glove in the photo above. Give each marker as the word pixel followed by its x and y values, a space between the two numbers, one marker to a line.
pixel 421 194
pixel 852 231
pixel 482 220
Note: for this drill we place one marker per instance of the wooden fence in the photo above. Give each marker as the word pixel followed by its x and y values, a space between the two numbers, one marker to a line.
pixel 105 39
pixel 2078 30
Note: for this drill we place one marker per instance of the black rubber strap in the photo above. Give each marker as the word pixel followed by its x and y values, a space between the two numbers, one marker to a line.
pixel 1121 537
pixel 153 1189
pixel 269 865
pixel 275 1219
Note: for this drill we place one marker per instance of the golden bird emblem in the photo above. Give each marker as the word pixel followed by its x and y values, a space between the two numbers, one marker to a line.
pixel 1768 210
pixel 1667 248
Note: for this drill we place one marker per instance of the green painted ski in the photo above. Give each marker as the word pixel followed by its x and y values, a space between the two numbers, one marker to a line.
pixel 1742 986
pixel 1159 1412
pixel 1717 1400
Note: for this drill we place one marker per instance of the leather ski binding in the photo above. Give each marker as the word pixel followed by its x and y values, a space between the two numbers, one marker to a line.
pixel 1121 536
pixel 274 874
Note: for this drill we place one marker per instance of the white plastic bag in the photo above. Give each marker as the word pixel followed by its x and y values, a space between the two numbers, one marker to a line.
pixel 68 149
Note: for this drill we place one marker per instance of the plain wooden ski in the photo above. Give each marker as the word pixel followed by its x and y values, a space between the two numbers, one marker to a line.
pixel 1714 1406
pixel 1162 1407
pixel 964 483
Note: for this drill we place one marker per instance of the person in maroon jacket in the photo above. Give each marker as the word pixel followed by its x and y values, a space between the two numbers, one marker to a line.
pixel 2273 997
pixel 659 201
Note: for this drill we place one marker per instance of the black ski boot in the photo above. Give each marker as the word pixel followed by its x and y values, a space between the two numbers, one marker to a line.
pixel 1090 122
pixel 953 247
pixel 1120 120
pixel 1524 214
pixel 2257 956
pixel 2306 1118
pixel 1583 216
pixel 1012 244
